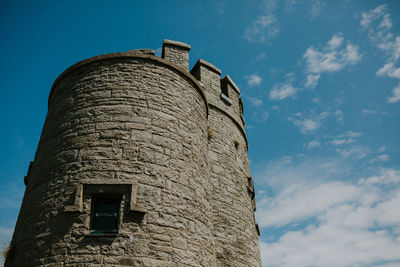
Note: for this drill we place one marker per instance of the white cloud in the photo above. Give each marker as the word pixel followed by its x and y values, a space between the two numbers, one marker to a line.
pixel 330 246
pixel 369 111
pixel 316 100
pixel 389 70
pixel 318 62
pixel 335 41
pixel 396 95
pixel 310 122
pixel 326 221
pixel 261 56
pixel 355 152
pixel 253 80
pixel 382 149
pixel 339 115
pixel 346 138
pixel 280 92
pixel 385 176
pixel 263 28
pixel 344 141
pixel 380 158
pixel 261 116
pixel 390 264
pixel 315 8
pixel 386 22
pixel 352 134
pixel 312 80
pixel 368 17
pixel 255 101
pixel 350 56
pixel 288 173
pixel 313 144
pixel 331 59
pixel 307 125
pixel 384 39
pixel 304 202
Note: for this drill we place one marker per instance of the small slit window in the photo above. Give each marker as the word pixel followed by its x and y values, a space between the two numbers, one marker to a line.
pixel 224 89
pixel 105 214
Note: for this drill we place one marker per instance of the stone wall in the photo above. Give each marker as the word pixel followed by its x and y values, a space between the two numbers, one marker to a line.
pixel 139 126
pixel 235 232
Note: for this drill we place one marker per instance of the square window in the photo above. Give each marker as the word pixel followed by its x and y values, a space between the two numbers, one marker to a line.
pixel 105 214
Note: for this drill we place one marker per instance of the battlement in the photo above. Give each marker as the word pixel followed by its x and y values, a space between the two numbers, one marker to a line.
pixel 222 93
pixel 176 52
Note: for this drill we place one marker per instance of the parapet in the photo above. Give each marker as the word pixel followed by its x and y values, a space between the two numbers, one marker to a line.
pixel 177 53
pixel 141 51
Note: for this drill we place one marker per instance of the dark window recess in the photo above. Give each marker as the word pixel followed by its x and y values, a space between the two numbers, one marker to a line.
pixel 105 214
pixel 224 89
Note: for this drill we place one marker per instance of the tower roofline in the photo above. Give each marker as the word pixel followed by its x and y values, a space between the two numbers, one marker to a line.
pixel 206 64
pixel 137 53
pixel 176 43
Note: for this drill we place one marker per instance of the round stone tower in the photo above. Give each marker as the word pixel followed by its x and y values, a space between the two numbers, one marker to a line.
pixel 140 163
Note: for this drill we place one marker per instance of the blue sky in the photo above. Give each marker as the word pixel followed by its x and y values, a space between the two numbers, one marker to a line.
pixel 321 87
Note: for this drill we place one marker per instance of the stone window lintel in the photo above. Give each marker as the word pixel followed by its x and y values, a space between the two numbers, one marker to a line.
pixel 95 186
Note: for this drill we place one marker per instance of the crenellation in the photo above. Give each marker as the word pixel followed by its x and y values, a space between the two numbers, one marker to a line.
pixel 209 76
pixel 176 52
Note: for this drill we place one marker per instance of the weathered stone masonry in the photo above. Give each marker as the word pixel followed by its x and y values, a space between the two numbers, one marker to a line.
pixel 169 144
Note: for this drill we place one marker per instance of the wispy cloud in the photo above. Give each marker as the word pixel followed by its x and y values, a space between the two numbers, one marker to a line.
pixel 284 90
pixel 346 138
pixel 396 95
pixel 331 58
pixel 379 24
pixel 253 80
pixel 261 56
pixel 313 144
pixel 380 158
pixel 254 101
pixel 315 8
pixel 312 81
pixel 265 26
pixel 339 142
pixel 339 114
pixel 389 70
pixel 334 57
pixel 369 111
pixel 385 176
pixel 261 116
pixel 308 123
pixel 354 152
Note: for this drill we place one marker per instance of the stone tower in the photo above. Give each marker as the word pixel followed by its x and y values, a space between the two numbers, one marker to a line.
pixel 140 163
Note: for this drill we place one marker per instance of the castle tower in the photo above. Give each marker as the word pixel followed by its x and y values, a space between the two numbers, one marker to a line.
pixel 140 163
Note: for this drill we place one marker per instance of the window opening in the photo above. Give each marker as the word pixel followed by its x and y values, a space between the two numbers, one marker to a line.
pixel 224 89
pixel 105 214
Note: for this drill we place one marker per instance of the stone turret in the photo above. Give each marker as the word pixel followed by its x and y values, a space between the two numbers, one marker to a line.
pixel 140 163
